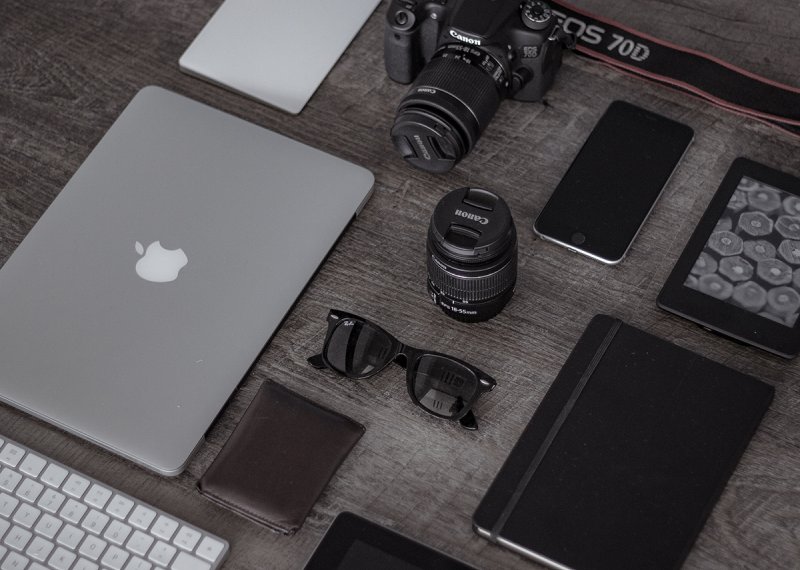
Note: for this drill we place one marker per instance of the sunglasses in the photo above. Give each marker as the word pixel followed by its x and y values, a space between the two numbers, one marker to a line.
pixel 439 384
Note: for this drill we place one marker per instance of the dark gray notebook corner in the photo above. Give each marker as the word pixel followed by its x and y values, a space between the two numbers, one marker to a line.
pixel 625 457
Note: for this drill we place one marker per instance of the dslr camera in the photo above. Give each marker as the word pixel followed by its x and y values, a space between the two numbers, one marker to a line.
pixel 465 57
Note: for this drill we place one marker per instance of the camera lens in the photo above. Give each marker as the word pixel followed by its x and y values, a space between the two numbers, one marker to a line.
pixel 449 105
pixel 472 254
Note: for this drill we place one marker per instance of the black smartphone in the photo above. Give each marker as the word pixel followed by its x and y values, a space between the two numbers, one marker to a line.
pixel 612 185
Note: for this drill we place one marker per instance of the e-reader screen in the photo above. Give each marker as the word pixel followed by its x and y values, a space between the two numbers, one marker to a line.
pixel 752 257
pixel 739 274
pixel 361 555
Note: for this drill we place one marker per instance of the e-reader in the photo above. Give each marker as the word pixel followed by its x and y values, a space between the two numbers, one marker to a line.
pixel 739 275
pixel 354 543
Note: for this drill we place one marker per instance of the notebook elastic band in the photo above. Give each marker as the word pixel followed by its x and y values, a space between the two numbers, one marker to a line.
pixel 556 427
pixel 681 68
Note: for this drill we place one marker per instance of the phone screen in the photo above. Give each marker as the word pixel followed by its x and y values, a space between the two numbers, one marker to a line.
pixel 607 193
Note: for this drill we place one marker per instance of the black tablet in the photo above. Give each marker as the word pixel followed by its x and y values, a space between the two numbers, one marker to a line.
pixel 354 543
pixel 739 275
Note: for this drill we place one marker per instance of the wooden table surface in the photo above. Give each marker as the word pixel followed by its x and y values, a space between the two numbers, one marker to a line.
pixel 67 69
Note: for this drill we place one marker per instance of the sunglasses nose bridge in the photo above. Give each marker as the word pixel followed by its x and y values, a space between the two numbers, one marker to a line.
pixel 401 357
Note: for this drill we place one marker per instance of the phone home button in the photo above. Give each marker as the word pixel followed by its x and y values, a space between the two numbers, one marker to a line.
pixel 578 238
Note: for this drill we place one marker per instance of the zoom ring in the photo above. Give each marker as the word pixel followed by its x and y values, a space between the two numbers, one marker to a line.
pixel 473 289
pixel 473 87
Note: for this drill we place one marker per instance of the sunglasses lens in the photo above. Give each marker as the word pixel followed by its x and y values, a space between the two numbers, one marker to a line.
pixel 358 349
pixel 443 386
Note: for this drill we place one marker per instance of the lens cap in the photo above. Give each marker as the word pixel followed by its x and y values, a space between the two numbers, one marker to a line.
pixel 426 141
pixel 472 225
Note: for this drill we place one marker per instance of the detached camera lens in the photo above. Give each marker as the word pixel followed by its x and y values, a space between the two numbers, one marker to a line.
pixel 472 254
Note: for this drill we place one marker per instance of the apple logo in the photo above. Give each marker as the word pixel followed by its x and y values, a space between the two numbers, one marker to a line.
pixel 159 265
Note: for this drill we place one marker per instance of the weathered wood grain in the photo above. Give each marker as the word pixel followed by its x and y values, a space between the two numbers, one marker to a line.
pixel 67 69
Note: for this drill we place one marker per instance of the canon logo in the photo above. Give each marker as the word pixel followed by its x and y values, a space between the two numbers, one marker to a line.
pixel 465 39
pixel 480 219
pixel 425 154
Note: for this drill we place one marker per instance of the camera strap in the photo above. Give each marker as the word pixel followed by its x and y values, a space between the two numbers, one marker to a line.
pixel 682 68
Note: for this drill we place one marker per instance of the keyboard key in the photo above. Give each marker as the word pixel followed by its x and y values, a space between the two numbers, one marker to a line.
pixel 55 518
pixel 75 486
pixel 162 553
pixel 51 500
pixel 26 515
pixel 210 549
pixel 98 496
pixel 11 455
pixel 93 547
pixel 29 490
pixel 54 476
pixel 40 549
pixel 9 480
pixel 48 526
pixel 187 538
pixel 115 558
pixel 142 517
pixel 164 528
pixel 95 521
pixel 14 561
pixel 17 538
pixel 137 563
pixel 186 561
pixel 117 532
pixel 7 505
pixel 140 543
pixel 73 511
pixel 70 537
pixel 61 559
pixel 33 465
pixel 119 507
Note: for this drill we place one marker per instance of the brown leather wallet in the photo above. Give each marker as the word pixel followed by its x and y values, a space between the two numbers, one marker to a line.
pixel 279 458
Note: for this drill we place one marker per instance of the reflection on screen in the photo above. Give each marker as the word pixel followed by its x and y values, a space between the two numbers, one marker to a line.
pixel 752 258
pixel 361 555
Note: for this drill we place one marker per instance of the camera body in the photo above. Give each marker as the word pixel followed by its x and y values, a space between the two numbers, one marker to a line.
pixel 518 34
pixel 465 56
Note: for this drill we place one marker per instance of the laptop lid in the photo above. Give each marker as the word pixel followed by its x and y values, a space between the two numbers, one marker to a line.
pixel 275 51
pixel 147 289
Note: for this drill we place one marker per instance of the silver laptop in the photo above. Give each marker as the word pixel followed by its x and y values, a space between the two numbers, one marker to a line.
pixel 142 296
pixel 275 51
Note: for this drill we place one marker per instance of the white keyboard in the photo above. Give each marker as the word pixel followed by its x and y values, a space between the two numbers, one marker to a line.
pixel 55 518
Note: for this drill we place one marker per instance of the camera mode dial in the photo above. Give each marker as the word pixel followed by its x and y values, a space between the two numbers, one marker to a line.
pixel 536 15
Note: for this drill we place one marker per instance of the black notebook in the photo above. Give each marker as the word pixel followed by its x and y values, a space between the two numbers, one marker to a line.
pixel 626 455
